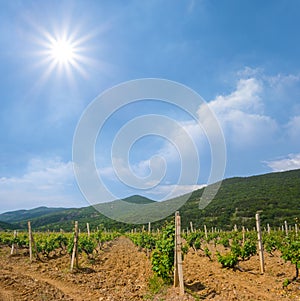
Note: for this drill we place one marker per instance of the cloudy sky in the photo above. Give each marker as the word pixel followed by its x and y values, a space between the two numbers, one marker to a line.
pixel 56 57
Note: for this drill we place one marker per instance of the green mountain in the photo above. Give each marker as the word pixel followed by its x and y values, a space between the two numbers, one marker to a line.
pixel 20 215
pixel 6 226
pixel 275 195
pixel 44 218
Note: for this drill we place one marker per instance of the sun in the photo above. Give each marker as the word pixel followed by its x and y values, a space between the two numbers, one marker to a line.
pixel 62 51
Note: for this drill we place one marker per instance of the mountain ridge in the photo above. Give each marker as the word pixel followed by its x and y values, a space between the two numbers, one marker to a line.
pixel 276 195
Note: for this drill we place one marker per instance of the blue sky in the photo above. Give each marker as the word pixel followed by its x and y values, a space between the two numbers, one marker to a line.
pixel 242 57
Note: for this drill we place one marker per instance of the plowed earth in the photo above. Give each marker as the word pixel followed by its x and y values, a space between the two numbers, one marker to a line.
pixel 122 272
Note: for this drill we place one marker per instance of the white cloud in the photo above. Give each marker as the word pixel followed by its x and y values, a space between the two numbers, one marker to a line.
pixel 293 128
pixel 249 72
pixel 46 182
pixel 241 115
pixel 247 119
pixel 141 175
pixel 292 161
pixel 281 82
pixel 245 97
pixel 179 144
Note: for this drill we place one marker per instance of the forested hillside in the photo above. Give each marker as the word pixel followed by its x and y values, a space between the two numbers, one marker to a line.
pixel 275 195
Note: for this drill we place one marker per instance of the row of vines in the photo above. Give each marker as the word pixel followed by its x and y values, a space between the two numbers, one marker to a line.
pixel 159 246
pixel 51 245
pixel 230 248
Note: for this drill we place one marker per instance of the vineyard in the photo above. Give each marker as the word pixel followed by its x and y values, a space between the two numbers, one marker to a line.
pixel 139 265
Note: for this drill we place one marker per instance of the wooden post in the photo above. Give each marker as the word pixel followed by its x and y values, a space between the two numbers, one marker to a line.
pixel 235 228
pixel 205 231
pixel 178 272
pixel 13 247
pixel 286 228
pixel 269 229
pixel 191 224
pixel 149 227
pixel 75 247
pixel 243 231
pixel 32 244
pixel 260 244
pixel 88 229
pixel 30 241
pixel 296 229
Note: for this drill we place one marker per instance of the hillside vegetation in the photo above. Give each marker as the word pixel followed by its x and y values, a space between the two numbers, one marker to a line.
pixel 275 195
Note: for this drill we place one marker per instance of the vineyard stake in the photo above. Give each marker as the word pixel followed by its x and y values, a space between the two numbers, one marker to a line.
pixel 75 247
pixel 205 231
pixel 32 244
pixel 88 229
pixel 30 241
pixel 178 273
pixel 260 244
pixel 286 228
pixel 13 247
pixel 243 230
pixel 149 227
pixel 191 224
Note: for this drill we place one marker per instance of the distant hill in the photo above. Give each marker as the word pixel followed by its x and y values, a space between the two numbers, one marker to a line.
pixel 19 215
pixel 44 218
pixel 275 195
pixel 6 226
pixel 137 199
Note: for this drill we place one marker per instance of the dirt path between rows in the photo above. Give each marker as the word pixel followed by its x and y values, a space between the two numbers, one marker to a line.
pixel 119 273
pixel 208 280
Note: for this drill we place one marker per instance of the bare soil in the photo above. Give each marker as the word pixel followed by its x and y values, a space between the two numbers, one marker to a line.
pixel 208 280
pixel 122 272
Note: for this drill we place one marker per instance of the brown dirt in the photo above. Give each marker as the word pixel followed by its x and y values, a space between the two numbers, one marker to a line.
pixel 208 280
pixel 121 272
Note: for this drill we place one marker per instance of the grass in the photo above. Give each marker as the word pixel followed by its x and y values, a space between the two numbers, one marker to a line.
pixel 156 286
